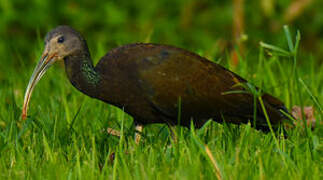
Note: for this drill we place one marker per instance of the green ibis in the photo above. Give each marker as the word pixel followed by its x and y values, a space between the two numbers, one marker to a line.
pixel 154 83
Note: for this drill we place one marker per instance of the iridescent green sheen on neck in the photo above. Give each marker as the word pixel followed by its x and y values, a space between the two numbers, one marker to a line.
pixel 82 74
pixel 89 72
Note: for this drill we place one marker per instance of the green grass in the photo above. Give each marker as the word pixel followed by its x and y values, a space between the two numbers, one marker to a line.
pixel 65 136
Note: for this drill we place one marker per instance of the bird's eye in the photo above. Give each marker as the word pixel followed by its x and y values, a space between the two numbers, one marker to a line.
pixel 60 39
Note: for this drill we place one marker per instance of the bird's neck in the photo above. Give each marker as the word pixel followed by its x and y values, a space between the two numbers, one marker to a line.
pixel 82 74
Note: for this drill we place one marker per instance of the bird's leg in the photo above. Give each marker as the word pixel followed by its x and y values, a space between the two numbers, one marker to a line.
pixel 138 128
pixel 173 133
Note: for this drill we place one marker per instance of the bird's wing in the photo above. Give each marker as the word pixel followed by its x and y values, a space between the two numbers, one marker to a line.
pixel 171 77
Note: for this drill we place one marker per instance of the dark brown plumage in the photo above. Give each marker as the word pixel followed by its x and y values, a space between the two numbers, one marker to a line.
pixel 150 81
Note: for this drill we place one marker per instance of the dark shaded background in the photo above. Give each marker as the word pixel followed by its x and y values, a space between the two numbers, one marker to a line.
pixel 211 28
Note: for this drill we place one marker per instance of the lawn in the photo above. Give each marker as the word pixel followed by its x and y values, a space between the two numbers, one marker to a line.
pixel 65 135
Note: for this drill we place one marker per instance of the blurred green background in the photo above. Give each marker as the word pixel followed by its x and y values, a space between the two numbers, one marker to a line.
pixel 216 30
pixel 203 26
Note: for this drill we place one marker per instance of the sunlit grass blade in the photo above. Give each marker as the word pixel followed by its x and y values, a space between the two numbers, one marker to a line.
pixel 279 50
pixel 289 39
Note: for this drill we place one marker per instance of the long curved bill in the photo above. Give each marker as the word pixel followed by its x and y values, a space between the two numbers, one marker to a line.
pixel 44 63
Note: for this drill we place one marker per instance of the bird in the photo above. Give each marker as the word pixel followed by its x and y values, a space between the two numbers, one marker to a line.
pixel 156 83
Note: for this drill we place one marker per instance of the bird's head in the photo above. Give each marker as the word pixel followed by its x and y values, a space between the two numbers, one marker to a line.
pixel 61 42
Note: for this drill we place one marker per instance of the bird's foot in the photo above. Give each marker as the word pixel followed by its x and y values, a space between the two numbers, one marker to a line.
pixel 138 133
pixel 113 132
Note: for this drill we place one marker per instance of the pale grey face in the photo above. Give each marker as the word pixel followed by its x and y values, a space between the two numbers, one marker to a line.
pixel 61 42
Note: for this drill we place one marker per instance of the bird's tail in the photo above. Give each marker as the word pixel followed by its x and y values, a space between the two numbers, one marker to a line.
pixel 276 112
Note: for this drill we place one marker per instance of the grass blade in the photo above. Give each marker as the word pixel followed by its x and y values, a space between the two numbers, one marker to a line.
pixel 275 48
pixel 289 39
